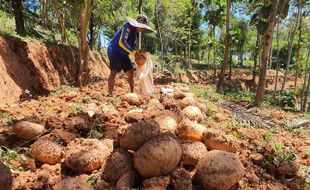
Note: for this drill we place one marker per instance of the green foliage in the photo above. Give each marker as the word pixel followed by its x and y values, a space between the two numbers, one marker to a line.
pixel 261 11
pixel 304 172
pixel 95 132
pixel 76 108
pixel 64 88
pixel 211 108
pixel 269 100
pixel 215 14
pixel 267 137
pixel 279 156
pixel 245 96
pixel 282 155
pixel 299 124
pixel 288 99
pixel 209 94
pixel 6 155
pixel 236 134
pixel 179 70
pixel 93 178
pixel 7 24
pixel 6 118
pixel 283 56
pixel 86 99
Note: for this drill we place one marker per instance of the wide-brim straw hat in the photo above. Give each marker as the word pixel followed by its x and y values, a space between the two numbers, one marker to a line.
pixel 141 22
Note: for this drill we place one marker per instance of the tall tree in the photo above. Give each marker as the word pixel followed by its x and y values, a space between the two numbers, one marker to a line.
pixel 304 90
pixel 277 65
pixel 158 10
pixel 215 16
pixel 44 12
pixel 269 24
pixel 227 43
pixel 85 9
pixel 292 36
pixel 255 55
pixel 297 72
pixel 19 18
pixel 305 99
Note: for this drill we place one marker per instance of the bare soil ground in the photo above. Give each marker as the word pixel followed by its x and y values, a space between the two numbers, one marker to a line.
pixel 277 157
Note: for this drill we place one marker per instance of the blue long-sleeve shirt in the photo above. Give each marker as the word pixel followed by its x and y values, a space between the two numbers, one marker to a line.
pixel 123 42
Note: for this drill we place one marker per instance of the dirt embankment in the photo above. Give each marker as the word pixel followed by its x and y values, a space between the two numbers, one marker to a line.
pixel 39 68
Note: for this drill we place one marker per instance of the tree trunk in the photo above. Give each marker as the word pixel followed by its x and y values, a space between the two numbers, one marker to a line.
pixel 99 43
pixel 209 50
pixel 220 83
pixel 289 57
pixel 277 66
pixel 255 57
pixel 189 47
pixel 259 51
pixel 303 105
pixel 306 94
pixel 140 34
pixel 44 13
pixel 18 14
pixel 241 57
pixel 83 45
pixel 91 31
pixel 297 74
pixel 214 58
pixel 62 25
pixel 158 3
pixel 265 54
pixel 270 53
pixel 230 66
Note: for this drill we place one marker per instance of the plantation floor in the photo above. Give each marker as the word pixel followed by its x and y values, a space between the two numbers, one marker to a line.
pixel 276 156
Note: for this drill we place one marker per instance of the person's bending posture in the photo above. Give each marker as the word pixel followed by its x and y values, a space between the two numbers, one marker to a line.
pixel 121 46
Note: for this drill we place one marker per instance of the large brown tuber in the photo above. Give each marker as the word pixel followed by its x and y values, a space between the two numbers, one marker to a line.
pixel 167 123
pixel 132 99
pixel 134 115
pixel 214 140
pixel 117 164
pixel 126 182
pixel 27 130
pixel 72 184
pixel 190 130
pixel 138 133
pixel 181 179
pixel 86 155
pixel 46 151
pixel 5 177
pixel 158 156
pixel 156 183
pixel 193 151
pixel 193 113
pixel 219 170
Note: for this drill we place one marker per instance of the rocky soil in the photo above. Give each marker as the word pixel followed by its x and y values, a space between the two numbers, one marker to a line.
pixel 81 139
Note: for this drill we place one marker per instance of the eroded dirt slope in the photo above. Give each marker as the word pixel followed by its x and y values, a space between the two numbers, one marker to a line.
pixel 39 68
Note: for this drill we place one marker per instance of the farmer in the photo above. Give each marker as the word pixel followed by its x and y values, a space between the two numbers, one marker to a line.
pixel 121 46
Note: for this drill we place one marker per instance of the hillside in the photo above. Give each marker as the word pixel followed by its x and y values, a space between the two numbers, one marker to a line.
pixel 38 68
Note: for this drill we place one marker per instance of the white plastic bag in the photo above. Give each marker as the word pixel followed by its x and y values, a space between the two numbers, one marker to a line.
pixel 145 75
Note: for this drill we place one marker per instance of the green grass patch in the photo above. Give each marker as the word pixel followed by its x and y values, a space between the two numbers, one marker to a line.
pixel 245 96
pixel 64 88
pixel 7 24
pixel 76 108
pixel 206 93
pixel 6 155
pixel 280 155
pixel 6 118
